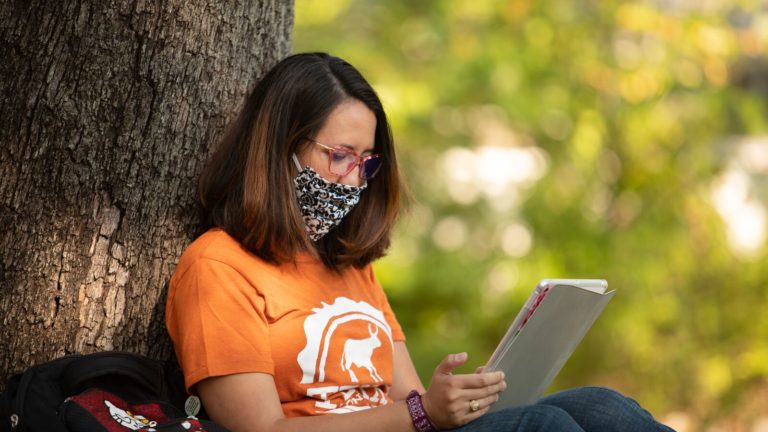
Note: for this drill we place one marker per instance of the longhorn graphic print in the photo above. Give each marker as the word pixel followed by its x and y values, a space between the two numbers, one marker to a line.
pixel 358 352
pixel 338 365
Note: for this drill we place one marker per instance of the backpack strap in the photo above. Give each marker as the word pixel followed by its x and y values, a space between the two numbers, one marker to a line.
pixel 135 369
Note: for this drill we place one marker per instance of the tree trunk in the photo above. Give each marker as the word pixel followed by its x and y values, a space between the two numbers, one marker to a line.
pixel 107 113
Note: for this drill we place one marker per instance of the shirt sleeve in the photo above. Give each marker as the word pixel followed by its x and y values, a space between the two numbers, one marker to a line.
pixel 217 323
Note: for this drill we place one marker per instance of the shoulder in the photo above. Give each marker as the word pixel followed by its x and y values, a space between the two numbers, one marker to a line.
pixel 215 245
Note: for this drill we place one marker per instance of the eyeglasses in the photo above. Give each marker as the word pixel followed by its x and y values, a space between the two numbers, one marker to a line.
pixel 342 161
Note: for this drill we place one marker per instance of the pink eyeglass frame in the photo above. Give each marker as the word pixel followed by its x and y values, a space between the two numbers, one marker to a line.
pixel 360 160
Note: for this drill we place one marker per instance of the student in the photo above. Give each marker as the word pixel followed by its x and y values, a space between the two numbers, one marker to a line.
pixel 275 314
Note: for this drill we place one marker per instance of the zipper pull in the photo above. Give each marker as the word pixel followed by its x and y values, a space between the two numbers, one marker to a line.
pixel 14 421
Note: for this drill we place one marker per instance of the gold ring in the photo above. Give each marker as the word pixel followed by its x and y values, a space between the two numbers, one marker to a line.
pixel 474 405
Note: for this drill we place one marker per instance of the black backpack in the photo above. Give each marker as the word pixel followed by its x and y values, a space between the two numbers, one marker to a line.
pixel 94 392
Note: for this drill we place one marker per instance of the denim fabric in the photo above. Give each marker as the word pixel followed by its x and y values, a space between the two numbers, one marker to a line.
pixel 528 418
pixel 598 409
pixel 589 409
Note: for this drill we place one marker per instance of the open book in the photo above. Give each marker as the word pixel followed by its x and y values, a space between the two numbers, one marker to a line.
pixel 543 336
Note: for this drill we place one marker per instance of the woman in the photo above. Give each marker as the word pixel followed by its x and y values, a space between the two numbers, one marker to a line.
pixel 275 313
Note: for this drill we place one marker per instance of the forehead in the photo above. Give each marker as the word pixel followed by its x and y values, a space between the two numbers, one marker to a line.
pixel 350 124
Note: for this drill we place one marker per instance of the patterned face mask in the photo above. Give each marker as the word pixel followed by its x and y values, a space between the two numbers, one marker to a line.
pixel 323 203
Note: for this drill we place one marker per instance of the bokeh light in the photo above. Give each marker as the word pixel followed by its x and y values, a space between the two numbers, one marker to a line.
pixel 619 139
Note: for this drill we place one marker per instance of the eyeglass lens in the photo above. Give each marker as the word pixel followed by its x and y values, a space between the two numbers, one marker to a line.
pixel 371 167
pixel 342 163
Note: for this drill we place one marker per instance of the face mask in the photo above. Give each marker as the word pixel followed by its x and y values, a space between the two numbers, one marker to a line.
pixel 323 203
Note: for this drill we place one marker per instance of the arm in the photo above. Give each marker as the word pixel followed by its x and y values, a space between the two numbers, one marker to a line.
pixel 249 402
pixel 446 402
pixel 404 377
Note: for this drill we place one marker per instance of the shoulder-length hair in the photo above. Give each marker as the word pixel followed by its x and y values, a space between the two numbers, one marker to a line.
pixel 247 186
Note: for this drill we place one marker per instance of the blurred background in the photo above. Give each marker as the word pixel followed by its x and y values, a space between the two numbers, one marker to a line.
pixel 601 139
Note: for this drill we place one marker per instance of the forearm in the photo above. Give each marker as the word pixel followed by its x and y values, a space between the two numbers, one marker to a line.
pixel 249 402
pixel 387 418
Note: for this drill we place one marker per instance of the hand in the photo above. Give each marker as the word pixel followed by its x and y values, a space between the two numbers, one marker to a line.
pixel 447 401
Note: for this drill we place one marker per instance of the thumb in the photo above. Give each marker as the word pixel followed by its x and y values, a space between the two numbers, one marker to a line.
pixel 450 362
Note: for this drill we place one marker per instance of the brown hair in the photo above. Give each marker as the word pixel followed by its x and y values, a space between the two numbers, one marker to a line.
pixel 247 186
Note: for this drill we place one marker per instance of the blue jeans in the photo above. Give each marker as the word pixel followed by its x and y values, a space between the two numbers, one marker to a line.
pixel 587 409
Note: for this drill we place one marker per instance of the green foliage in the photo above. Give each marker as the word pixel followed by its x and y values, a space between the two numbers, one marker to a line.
pixel 578 139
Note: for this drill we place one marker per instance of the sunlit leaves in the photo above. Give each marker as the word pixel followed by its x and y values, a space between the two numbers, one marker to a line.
pixel 616 139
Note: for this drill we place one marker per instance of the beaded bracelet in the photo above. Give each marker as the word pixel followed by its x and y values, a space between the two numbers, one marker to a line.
pixel 418 416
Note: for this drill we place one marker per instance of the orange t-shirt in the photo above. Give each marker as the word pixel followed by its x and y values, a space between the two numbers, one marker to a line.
pixel 326 337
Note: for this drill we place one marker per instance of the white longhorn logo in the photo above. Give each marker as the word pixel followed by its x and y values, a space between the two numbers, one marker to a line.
pixel 320 328
pixel 358 352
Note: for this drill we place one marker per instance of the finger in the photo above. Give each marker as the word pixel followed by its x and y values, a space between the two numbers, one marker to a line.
pixel 478 380
pixel 450 362
pixel 484 392
pixel 480 369
pixel 482 402
pixel 485 406
pixel 487 401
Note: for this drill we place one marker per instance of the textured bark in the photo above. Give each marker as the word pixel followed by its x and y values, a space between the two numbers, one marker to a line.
pixel 107 112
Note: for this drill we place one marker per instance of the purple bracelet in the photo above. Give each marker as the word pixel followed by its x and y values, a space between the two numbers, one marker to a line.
pixel 418 415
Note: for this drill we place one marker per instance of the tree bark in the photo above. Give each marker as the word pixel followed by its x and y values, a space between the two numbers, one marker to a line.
pixel 107 112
